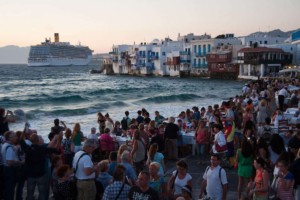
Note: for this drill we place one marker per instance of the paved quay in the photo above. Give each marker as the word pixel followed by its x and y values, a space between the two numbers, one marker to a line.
pixel 197 170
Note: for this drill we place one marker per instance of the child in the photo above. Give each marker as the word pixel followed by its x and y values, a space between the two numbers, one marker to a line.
pixel 68 148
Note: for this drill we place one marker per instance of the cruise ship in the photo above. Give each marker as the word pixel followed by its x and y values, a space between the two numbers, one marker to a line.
pixel 58 54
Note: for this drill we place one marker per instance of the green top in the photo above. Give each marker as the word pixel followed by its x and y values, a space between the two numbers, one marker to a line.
pixel 244 165
pixel 78 138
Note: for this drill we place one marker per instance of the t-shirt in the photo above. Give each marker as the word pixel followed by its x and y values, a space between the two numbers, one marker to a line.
pixel 84 162
pixel 171 131
pixel 214 183
pixel 135 193
pixel 8 153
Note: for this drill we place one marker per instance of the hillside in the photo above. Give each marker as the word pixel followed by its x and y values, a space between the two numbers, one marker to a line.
pixel 14 55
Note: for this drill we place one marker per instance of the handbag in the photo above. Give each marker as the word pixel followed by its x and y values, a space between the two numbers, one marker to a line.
pixel 220 148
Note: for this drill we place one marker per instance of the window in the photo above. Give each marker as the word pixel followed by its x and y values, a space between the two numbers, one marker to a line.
pixel 163 53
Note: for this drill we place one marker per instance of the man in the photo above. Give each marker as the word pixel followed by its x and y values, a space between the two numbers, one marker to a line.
pixel 197 114
pixel 125 122
pixel 10 164
pixel 158 119
pixel 140 118
pixel 171 135
pixel 85 171
pixel 118 189
pixel 56 129
pixel 214 180
pixel 282 94
pixel 4 120
pixel 36 156
pixel 142 190
pixel 126 162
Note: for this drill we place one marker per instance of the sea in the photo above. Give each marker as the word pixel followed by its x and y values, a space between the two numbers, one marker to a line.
pixel 73 95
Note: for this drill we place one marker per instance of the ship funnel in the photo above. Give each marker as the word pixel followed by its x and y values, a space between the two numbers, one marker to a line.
pixel 56 37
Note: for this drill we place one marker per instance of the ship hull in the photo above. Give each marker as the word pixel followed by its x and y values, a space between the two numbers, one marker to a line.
pixel 60 62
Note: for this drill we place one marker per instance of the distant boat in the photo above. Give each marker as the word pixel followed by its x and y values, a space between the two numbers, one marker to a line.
pixel 58 54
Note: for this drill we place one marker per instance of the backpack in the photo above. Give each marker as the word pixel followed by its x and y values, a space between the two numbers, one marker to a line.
pixel 124 124
pixel 267 133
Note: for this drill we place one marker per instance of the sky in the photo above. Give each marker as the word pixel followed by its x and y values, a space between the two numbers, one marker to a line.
pixel 100 24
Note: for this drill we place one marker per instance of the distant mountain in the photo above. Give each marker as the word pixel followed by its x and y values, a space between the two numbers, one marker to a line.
pixel 274 33
pixel 14 54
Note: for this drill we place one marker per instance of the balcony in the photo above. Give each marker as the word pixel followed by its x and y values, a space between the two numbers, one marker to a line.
pixel 185 61
pixel 154 57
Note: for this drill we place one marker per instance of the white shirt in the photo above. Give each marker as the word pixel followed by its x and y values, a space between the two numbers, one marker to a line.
pixel 92 136
pixel 84 162
pixel 283 92
pixel 214 186
pixel 8 152
pixel 220 139
pixel 180 183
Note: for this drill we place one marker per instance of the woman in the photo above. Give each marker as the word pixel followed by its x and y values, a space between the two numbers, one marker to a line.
pixel 122 148
pixel 179 179
pixel 104 177
pixel 156 181
pixel 109 123
pixel 138 152
pixel 259 188
pixel 101 122
pixel 247 116
pixel 152 129
pixel 276 147
pixel 220 141
pixel 202 139
pixel 77 137
pixel 106 141
pixel 285 181
pixel 64 185
pixel 262 112
pixel 244 160
pixel 117 129
pixel 68 147
pixel 263 152
pixel 155 156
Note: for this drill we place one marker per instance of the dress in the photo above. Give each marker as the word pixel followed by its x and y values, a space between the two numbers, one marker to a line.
pixel 244 165
pixel 262 114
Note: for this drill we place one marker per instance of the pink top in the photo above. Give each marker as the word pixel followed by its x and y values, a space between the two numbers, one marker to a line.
pixel 201 137
pixel 106 143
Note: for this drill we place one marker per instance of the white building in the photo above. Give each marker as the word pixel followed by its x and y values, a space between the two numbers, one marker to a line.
pixel 199 49
pixel 120 57
pixel 295 39
pixel 260 39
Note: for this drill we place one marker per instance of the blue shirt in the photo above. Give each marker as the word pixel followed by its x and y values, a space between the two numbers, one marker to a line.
pixel 104 178
pixel 112 167
pixel 130 172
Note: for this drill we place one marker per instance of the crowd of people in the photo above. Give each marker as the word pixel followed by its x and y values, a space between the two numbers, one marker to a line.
pixel 241 133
